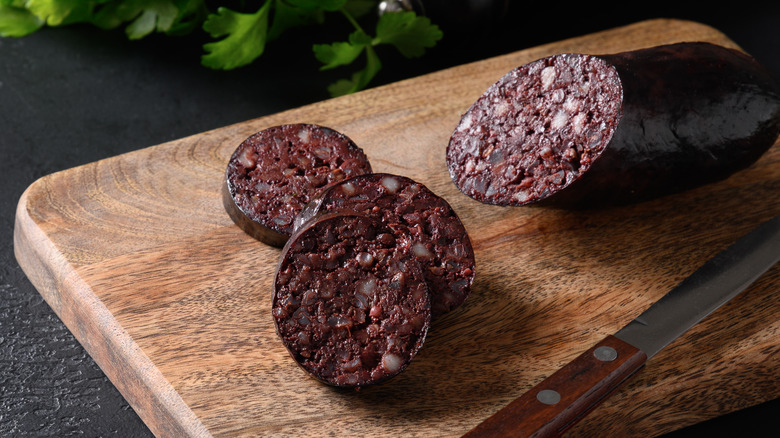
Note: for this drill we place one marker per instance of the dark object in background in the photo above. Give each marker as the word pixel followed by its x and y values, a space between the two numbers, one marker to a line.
pixel 460 20
pixel 575 130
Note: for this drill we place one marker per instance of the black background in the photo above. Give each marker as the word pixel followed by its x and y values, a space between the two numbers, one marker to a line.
pixel 74 95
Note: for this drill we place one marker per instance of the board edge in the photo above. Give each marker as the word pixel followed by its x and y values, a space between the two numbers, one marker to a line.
pixel 105 340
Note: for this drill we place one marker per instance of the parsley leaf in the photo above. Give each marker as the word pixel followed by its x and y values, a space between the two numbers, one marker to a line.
pixel 341 53
pixel 410 34
pixel 360 79
pixel 245 40
pixel 17 22
pixel 55 12
pixel 336 54
pixel 286 16
pixel 191 14
pixel 144 16
pixel 407 32
pixel 154 15
pixel 113 14
pixel 240 37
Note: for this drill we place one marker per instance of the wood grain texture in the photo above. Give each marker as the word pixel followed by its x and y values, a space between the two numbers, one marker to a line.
pixel 138 258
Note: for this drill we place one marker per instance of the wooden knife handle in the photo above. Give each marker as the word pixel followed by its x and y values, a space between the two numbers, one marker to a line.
pixel 561 400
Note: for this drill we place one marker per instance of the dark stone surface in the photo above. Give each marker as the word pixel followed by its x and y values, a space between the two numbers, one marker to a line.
pixel 74 95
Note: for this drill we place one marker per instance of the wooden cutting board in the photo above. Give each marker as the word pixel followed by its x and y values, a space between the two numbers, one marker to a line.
pixel 138 258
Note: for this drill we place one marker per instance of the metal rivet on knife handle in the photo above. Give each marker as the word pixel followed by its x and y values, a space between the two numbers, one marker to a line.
pixel 605 353
pixel 548 396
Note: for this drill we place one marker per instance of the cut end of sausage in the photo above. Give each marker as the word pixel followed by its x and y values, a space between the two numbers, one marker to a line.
pixel 273 174
pixel 350 302
pixel 536 130
pixel 436 236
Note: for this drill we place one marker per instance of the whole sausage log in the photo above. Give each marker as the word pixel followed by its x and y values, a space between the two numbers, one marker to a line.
pixel 350 301
pixel 438 238
pixel 577 130
pixel 273 174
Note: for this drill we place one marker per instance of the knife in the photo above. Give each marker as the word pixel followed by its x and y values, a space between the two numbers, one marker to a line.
pixel 561 400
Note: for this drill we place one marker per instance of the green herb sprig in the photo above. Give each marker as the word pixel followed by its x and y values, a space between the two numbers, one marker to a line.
pixel 239 38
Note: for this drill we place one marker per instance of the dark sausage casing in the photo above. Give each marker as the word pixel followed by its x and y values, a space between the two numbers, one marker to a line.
pixel 436 235
pixel 350 302
pixel 272 174
pixel 576 130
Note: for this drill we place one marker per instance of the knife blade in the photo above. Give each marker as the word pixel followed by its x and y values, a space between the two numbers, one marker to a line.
pixel 561 400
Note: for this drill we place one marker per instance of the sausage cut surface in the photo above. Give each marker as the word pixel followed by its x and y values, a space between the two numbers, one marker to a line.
pixel 536 130
pixel 580 130
pixel 437 237
pixel 273 174
pixel 350 303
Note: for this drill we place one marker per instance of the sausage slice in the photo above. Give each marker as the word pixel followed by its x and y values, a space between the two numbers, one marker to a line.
pixel 438 238
pixel 273 174
pixel 350 302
